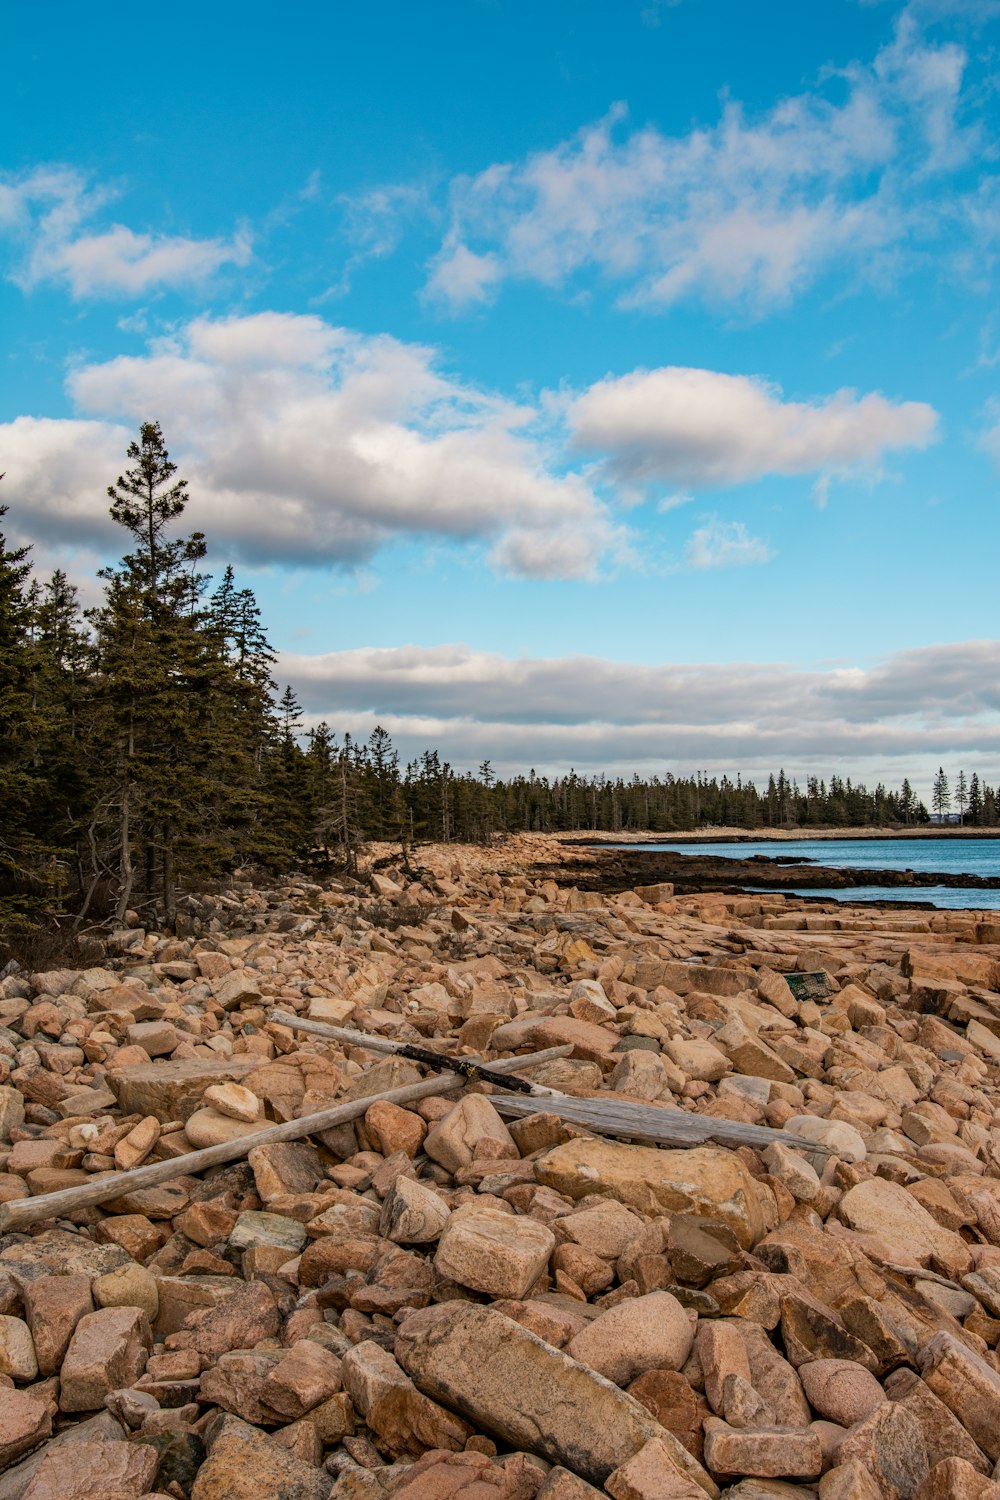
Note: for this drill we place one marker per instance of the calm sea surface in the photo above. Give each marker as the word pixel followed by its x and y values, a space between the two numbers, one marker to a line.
pixel 944 856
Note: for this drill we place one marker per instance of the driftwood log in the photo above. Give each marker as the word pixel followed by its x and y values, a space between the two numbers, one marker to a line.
pixel 628 1119
pixel 105 1187
pixel 470 1067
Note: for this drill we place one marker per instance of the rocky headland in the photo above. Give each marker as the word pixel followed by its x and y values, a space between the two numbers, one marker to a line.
pixel 458 1296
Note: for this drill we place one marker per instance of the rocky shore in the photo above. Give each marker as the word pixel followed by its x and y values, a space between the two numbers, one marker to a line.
pixel 604 866
pixel 449 1298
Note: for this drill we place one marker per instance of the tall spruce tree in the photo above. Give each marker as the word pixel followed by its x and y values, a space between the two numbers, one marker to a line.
pixel 22 852
pixel 179 718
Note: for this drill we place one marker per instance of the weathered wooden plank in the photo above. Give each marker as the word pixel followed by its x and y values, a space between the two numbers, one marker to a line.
pixel 628 1119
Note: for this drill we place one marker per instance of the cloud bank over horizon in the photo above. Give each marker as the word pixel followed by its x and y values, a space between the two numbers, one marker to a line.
pixel 901 716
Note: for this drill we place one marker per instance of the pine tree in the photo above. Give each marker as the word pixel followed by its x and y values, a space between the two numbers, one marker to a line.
pixel 22 853
pixel 179 715
pixel 907 802
pixel 940 794
pixel 385 801
pixel 961 795
pixel 975 801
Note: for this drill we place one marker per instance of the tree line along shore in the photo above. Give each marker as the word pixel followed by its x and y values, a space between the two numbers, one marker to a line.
pixel 145 748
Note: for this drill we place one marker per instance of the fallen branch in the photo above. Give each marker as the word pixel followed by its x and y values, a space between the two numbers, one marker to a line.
pixel 650 1122
pixel 470 1067
pixel 108 1186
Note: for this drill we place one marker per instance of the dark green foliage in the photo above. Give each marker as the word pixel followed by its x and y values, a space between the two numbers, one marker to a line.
pixel 23 853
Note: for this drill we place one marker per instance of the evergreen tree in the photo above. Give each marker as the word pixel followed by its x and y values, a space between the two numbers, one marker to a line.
pixel 961 795
pixel 177 722
pixel 975 801
pixel 940 793
pixel 22 854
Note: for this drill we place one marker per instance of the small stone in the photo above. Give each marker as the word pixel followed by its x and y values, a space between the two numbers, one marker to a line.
pixel 253 1229
pixel 464 1132
pixel 841 1390
pixel 493 1252
pixel 128 1286
pixel 412 1213
pixel 156 1038
pixel 794 1171
pixel 721 1353
pixel 765 1453
pixel 108 1350
pixel 670 1398
pixel 643 1333
pixel 605 1228
pixel 841 1138
pixel 17 1350
pixel 54 1305
pixel 406 1420
pixel 25 1420
pixel 244 1464
pixel 133 1148
pixel 701 1249
pixel 395 1129
pixel 306 1376
pixel 131 1406
pixel 698 1059
pixel 77 1471
pixel 234 1101
pixel 890 1445
pixel 207 1127
pixel 651 1474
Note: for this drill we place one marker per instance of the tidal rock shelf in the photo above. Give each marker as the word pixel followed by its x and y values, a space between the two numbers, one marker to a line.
pixel 467 1293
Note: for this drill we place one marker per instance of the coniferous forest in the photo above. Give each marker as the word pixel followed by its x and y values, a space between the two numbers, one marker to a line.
pixel 145 747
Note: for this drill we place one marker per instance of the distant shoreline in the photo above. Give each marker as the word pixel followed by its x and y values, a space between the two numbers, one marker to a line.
pixel 604 838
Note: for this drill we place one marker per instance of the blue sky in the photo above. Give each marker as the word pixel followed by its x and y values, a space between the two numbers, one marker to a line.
pixel 607 383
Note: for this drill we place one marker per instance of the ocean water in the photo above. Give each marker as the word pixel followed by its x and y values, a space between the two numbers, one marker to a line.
pixel 949 897
pixel 946 856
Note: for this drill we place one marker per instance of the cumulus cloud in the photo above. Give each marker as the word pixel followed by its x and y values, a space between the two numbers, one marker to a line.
pixel 306 443
pixel 702 428
pixel 47 215
pixel 924 705
pixel 747 211
pixel 725 544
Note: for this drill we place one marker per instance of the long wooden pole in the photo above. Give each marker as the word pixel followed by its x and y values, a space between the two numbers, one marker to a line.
pixel 106 1186
pixel 102 1189
pixel 366 1040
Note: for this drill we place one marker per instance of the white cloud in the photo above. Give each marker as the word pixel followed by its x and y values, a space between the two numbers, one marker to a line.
pixel 57 476
pixel 311 444
pixel 374 223
pixel 902 716
pixel 725 544
pixel 47 215
pixel 702 428
pixel 748 211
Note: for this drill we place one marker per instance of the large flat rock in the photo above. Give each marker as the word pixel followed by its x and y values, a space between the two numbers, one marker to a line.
pixel 173 1090
pixel 706 1181
pixel 479 1363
